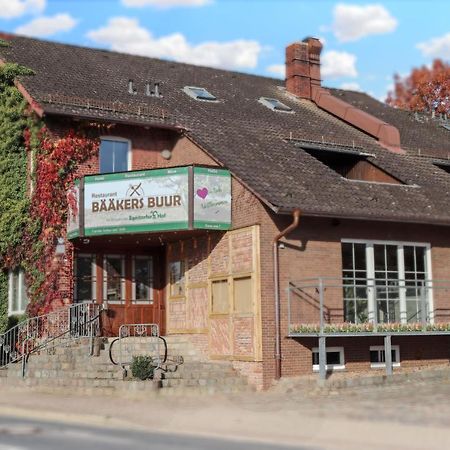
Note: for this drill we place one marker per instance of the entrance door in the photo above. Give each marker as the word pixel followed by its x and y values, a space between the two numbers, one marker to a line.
pixel 130 286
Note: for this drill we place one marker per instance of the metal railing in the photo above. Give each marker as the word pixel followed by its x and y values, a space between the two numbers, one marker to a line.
pixel 128 345
pixel 366 305
pixel 56 328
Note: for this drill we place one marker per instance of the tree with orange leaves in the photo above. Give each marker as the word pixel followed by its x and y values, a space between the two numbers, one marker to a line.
pixel 425 89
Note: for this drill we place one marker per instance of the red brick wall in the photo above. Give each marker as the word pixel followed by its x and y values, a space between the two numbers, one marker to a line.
pixel 314 250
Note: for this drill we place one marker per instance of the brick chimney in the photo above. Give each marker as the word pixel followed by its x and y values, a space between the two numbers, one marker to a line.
pixel 303 67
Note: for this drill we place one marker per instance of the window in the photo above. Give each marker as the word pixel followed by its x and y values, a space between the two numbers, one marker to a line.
pixel 219 297
pixel 354 273
pixel 176 278
pixel 114 155
pixel 385 281
pixel 378 356
pixel 142 279
pixel 199 93
pixel 17 293
pixel 85 282
pixel 335 358
pixel 114 278
pixel 275 104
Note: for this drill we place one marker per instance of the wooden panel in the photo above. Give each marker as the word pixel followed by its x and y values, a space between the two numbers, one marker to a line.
pixel 365 171
pixel 243 295
pixel 220 302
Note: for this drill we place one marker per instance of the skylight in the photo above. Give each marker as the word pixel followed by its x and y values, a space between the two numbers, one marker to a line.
pixel 199 93
pixel 274 104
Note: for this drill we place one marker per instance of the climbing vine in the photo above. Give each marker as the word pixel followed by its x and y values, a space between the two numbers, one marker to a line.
pixel 31 220
pixel 56 164
pixel 14 203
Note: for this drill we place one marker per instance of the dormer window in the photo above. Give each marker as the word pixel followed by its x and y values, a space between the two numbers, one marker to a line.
pixel 115 155
pixel 199 93
pixel 349 162
pixel 274 104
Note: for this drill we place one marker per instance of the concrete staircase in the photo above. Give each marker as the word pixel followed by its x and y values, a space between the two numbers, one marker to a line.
pixel 70 369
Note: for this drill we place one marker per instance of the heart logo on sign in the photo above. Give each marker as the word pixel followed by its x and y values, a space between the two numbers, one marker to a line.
pixel 202 193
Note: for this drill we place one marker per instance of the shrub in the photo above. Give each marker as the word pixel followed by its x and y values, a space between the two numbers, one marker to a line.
pixel 142 367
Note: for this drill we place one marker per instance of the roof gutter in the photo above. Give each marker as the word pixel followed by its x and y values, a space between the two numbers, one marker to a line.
pixel 276 282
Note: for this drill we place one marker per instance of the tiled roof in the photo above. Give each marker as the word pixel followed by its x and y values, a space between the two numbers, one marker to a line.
pixel 238 131
pixel 420 134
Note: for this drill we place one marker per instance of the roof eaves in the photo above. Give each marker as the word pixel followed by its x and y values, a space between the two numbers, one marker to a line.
pixel 391 219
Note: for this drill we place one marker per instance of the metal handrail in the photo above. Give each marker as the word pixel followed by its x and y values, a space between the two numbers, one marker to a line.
pixel 37 333
pixel 376 290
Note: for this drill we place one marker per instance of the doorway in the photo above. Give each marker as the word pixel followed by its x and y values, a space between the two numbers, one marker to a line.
pixel 129 285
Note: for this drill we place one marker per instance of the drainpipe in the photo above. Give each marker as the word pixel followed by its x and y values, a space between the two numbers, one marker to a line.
pixel 276 278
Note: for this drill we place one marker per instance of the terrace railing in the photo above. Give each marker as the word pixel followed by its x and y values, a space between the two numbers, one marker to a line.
pixel 321 306
pixel 56 328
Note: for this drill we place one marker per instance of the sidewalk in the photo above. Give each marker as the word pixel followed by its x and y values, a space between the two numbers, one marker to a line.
pixel 408 416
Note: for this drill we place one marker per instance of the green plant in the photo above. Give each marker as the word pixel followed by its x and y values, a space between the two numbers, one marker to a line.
pixel 142 367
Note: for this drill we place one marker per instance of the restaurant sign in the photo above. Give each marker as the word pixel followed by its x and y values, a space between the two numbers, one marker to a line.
pixel 179 198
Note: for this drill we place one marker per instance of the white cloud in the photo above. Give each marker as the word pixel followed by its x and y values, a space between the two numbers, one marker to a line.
pixel 164 3
pixel 277 69
pixel 125 34
pixel 351 86
pixel 10 9
pixel 47 26
pixel 353 22
pixel 438 47
pixel 338 64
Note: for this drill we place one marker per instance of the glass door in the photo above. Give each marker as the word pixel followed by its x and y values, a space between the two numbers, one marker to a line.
pixel 416 292
pixel 387 292
pixel 85 282
pixel 114 278
pixel 142 279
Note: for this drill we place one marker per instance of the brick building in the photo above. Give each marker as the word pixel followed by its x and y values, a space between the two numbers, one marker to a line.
pixel 333 229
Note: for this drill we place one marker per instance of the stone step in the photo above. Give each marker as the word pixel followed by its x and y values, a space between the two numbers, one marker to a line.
pixel 232 381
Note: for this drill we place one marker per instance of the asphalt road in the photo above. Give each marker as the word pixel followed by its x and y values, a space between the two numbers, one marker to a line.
pixel 20 434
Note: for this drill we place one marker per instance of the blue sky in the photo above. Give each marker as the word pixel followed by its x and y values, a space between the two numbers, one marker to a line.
pixel 365 42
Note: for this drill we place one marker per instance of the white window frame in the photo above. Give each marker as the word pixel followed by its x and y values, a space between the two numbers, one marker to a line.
pixel 340 366
pixel 150 300
pixel 122 280
pixel 370 271
pixel 22 303
pixel 93 275
pixel 118 139
pixel 379 348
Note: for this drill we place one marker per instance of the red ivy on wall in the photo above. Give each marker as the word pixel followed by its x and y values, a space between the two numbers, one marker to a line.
pixel 56 161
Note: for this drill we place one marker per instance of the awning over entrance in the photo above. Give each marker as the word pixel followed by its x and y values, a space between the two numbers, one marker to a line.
pixel 179 198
